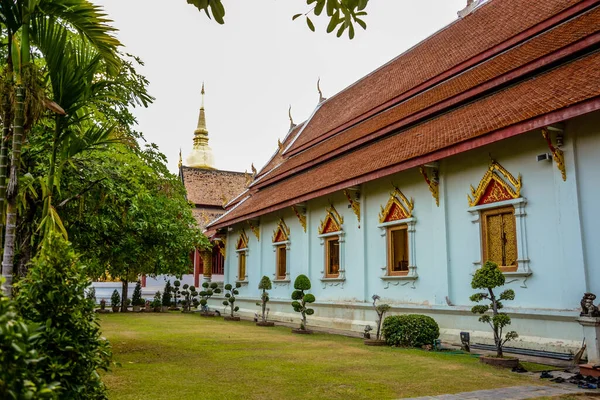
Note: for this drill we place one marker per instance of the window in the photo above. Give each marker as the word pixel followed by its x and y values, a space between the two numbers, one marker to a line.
pixel 499 237
pixel 332 257
pixel 281 261
pixel 398 260
pixel 242 266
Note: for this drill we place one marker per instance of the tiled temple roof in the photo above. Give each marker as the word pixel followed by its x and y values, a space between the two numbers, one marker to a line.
pixel 526 68
pixel 210 187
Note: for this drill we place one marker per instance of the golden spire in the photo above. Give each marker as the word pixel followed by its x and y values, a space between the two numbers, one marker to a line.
pixel 321 98
pixel 201 155
pixel 292 124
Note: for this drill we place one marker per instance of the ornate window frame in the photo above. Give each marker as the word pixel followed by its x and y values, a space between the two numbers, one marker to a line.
pixel 242 247
pixel 281 237
pixel 509 188
pixel 398 211
pixel 330 227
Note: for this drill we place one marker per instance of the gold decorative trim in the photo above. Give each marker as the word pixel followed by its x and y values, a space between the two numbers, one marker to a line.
pixel 399 199
pixel 354 204
pixel 494 172
pixel 557 154
pixel 255 230
pixel 433 183
pixel 283 228
pixel 301 217
pixel 223 248
pixel 242 242
pixel 334 217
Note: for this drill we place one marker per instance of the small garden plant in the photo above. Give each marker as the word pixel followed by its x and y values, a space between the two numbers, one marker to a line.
pixel 412 330
pixel 264 285
pixel 230 294
pixel 166 296
pixel 91 294
pixel 488 278
pixel 175 293
pixel 190 299
pixel 209 290
pixel 115 299
pixel 157 302
pixel 380 309
pixel 137 299
pixel 302 299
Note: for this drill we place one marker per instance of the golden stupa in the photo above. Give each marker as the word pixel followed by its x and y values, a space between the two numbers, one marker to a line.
pixel 201 155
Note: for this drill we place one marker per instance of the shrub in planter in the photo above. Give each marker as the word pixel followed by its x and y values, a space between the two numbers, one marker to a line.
pixel 302 299
pixel 190 299
pixel 166 296
pixel 488 278
pixel 91 295
pixel 115 300
pixel 137 299
pixel 102 304
pixel 412 330
pixel 264 285
pixel 157 302
pixel 209 290
pixel 380 309
pixel 175 294
pixel 230 300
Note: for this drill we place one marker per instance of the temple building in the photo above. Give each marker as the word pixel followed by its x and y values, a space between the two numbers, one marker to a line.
pixel 209 190
pixel 480 143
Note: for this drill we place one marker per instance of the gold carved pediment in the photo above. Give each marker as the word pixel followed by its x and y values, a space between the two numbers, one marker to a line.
pixel 242 242
pixel 281 233
pixel 332 223
pixel 496 185
pixel 398 207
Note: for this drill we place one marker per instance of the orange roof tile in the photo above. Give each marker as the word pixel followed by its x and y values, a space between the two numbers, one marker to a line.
pixel 211 186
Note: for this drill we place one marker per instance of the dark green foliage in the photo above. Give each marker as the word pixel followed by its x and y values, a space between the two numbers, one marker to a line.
pixel 115 298
pixel 157 302
pixel 190 297
pixel 302 283
pixel 210 289
pixel 166 297
pixel 176 293
pixel 91 294
pixel 490 277
pixel 21 375
pixel 53 296
pixel 136 298
pixel 230 294
pixel 264 285
pixel 301 299
pixel 412 330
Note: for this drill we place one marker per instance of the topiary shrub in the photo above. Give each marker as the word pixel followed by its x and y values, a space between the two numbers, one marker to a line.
pixel 157 302
pixel 190 299
pixel 91 295
pixel 264 285
pixel 380 309
pixel 230 298
pixel 412 330
pixel 209 290
pixel 490 277
pixel 137 299
pixel 115 299
pixel 301 299
pixel 166 296
pixel 175 294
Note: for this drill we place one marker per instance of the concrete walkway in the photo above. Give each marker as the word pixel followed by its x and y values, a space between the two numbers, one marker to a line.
pixel 509 393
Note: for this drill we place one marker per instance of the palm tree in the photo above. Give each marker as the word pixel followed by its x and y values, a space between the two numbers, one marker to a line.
pixel 19 17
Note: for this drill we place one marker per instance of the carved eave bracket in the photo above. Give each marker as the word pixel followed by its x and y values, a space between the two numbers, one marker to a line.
pixel 557 154
pixel 301 217
pixel 398 207
pixel 242 242
pixel 354 204
pixel 255 229
pixel 332 223
pixel 281 233
pixel 496 185
pixel 433 182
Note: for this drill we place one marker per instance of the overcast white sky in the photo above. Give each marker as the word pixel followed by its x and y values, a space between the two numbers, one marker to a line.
pixel 254 66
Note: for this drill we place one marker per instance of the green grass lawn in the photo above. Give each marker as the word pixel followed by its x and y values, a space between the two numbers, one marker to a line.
pixel 184 356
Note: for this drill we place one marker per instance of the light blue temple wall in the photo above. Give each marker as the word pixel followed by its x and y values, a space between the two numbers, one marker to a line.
pixel 587 150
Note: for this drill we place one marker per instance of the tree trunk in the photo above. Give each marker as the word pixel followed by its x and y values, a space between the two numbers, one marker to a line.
pixel 124 296
pixel 11 212
pixel 264 305
pixel 51 169
pixel 7 119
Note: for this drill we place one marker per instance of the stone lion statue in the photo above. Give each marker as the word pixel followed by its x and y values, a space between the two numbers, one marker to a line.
pixel 588 309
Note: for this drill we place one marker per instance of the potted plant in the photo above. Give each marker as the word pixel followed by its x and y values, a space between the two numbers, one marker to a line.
pixel 175 294
pixel 166 297
pixel 488 278
pixel 301 301
pixel 190 299
pixel 209 290
pixel 264 285
pixel 157 302
pixel 380 309
pixel 115 300
pixel 136 298
pixel 230 301
pixel 147 306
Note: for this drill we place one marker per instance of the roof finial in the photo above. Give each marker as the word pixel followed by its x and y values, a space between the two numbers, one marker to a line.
pixel 202 92
pixel 180 160
pixel 292 124
pixel 321 98
pixel 254 172
pixel 279 145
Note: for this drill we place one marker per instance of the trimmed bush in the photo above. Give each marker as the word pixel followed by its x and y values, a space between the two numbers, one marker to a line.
pixel 166 296
pixel 136 298
pixel 412 330
pixel 301 299
pixel 264 285
pixel 230 297
pixel 209 290
pixel 115 299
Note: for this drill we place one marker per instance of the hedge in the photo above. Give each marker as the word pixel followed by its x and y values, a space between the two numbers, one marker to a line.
pixel 412 330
